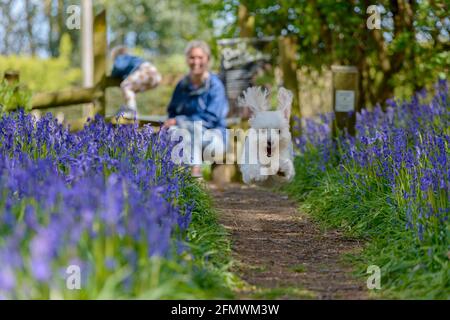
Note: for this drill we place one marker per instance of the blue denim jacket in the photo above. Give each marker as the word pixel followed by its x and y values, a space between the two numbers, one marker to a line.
pixel 207 103
pixel 124 65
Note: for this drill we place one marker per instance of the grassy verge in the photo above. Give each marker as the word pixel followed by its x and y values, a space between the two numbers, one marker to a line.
pixel 406 273
pixel 210 248
pixel 202 271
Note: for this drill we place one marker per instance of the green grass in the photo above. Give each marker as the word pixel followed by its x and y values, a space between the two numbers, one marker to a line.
pixel 200 272
pixel 283 293
pixel 408 270
pixel 203 273
pixel 299 268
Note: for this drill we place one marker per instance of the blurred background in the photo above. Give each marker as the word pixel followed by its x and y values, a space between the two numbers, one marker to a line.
pixel 409 51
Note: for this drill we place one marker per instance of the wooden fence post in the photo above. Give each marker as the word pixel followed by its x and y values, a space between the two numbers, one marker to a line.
pixel 100 54
pixel 345 97
pixel 12 76
pixel 87 60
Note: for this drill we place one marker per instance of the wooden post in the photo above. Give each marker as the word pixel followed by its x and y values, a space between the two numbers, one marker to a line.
pixel 345 97
pixel 288 60
pixel 100 54
pixel 87 59
pixel 12 76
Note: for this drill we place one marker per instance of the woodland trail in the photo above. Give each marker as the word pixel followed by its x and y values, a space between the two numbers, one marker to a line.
pixel 280 252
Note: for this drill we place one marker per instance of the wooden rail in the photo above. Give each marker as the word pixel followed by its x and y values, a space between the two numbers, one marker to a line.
pixel 65 97
pixel 78 95
pixel 71 96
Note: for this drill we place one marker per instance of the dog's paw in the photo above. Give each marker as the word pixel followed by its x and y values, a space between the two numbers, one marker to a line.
pixel 281 174
pixel 286 171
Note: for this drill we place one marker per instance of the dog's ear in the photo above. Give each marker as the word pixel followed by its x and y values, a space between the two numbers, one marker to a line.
pixel 254 98
pixel 285 102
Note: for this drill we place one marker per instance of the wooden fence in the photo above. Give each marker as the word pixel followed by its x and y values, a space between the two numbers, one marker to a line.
pixel 96 95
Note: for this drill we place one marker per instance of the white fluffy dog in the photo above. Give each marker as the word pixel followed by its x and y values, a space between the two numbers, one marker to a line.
pixel 270 139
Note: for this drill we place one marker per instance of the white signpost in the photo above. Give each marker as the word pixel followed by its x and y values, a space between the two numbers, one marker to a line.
pixel 345 101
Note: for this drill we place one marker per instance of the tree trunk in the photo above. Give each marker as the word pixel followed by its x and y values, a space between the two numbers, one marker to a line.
pixel 288 60
pixel 56 24
pixel 59 25
pixel 8 25
pixel 30 10
pixel 403 16
pixel 51 27
pixel 246 22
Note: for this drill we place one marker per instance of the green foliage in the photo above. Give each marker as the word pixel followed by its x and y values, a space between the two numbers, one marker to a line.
pixel 201 273
pixel 44 74
pixel 162 27
pixel 408 53
pixel 173 65
pixel 299 268
pixel 210 244
pixel 407 272
pixel 13 96
pixel 283 293
pixel 403 219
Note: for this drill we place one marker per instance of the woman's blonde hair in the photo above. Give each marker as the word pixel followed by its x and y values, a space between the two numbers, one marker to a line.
pixel 198 44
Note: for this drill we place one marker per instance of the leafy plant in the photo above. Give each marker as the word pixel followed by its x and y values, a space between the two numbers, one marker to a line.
pixel 13 96
pixel 390 185
pixel 109 200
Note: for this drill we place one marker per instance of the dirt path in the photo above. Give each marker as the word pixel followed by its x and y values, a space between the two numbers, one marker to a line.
pixel 280 253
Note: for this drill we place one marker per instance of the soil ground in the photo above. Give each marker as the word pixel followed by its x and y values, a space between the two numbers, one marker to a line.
pixel 280 252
